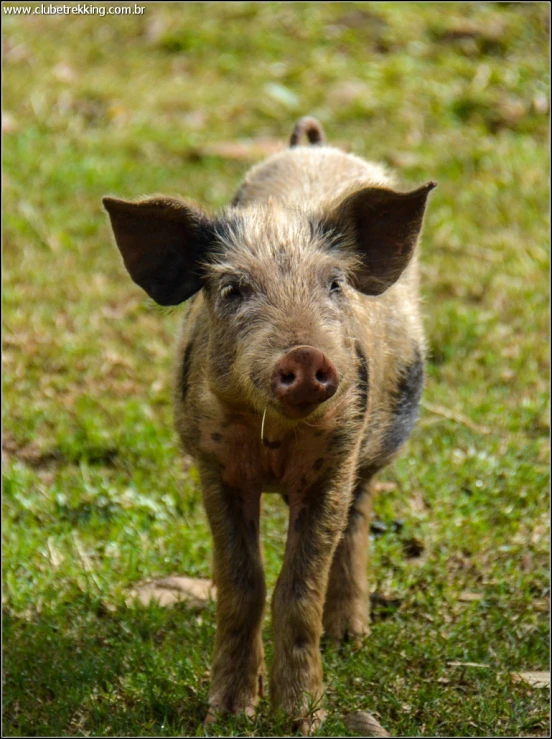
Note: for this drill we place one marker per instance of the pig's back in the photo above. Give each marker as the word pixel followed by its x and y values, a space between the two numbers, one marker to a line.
pixel 306 176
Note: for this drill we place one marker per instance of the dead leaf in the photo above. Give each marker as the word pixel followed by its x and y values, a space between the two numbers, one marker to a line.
pixel 540 103
pixel 404 159
pixel 348 92
pixel 17 53
pixel 418 503
pixel 466 29
pixel 196 593
pixel 360 18
pixel 384 487
pixel 64 72
pixel 363 723
pixel 466 664
pixel 534 679
pixel 466 597
pixel 542 605
pixel 155 29
pixel 9 123
pixel 242 150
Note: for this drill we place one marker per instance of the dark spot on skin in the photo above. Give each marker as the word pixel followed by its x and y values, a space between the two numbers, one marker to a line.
pixel 315 499
pixel 355 518
pixel 313 527
pixel 340 441
pixel 299 520
pixel 184 378
pixel 360 489
pixel 330 231
pixel 356 514
pixel 303 482
pixel 241 540
pixel 366 472
pixel 405 405
pixel 299 588
pixel 216 437
pixel 232 499
pixel 362 379
pixel 318 465
pixel 225 228
pixel 317 491
pixel 272 444
pixel 222 362
pixel 318 434
pixel 301 642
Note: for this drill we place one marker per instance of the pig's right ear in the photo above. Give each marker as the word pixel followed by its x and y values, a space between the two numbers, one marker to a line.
pixel 162 241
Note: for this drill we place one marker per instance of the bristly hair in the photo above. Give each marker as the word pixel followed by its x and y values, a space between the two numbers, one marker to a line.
pixel 270 231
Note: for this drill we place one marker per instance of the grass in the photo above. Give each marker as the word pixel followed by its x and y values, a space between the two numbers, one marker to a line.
pixel 95 495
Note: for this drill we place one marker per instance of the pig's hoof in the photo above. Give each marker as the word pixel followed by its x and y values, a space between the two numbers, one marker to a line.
pixel 354 632
pixel 346 620
pixel 217 711
pixel 309 725
pixel 246 703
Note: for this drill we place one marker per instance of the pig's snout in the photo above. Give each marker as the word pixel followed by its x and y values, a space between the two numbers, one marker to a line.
pixel 304 378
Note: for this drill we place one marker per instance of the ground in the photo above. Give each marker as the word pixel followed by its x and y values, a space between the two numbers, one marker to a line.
pixel 182 99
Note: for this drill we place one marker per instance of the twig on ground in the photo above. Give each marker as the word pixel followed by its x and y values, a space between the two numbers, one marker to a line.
pixel 439 410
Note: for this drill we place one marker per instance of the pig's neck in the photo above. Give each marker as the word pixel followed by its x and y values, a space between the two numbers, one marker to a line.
pixel 288 455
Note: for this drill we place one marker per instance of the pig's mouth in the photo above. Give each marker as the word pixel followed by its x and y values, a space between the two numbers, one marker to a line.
pixel 298 411
pixel 313 411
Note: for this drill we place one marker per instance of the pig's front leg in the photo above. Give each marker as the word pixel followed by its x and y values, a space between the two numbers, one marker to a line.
pixel 238 669
pixel 317 519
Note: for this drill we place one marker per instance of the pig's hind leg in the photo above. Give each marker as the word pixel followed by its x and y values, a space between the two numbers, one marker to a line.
pixel 346 608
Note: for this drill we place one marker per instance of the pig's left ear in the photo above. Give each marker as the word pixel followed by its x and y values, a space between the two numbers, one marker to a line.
pixel 162 242
pixel 385 226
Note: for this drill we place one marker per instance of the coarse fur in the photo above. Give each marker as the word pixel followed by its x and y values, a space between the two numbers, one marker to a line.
pixel 317 249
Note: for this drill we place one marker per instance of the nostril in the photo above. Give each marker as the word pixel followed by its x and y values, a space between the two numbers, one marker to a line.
pixel 287 378
pixel 321 377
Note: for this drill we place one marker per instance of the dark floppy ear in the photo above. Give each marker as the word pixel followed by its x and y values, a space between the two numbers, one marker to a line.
pixel 385 226
pixel 162 241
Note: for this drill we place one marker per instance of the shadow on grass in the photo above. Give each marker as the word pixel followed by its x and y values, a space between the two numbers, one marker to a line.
pixel 129 672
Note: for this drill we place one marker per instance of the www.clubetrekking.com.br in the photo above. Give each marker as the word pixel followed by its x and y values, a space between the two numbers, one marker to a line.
pixel 74 9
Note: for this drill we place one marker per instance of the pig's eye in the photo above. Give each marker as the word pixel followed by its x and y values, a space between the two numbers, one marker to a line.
pixel 232 291
pixel 335 285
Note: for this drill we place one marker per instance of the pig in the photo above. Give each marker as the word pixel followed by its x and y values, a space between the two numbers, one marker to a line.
pixel 299 371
